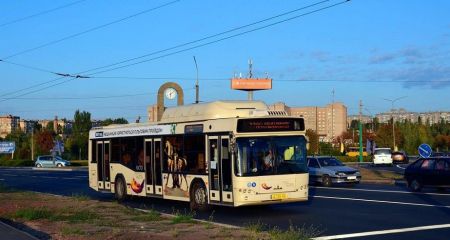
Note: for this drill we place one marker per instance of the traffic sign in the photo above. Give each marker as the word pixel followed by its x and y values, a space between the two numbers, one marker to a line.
pixel 425 150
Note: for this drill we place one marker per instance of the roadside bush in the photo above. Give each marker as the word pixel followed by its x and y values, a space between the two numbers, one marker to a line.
pixel 353 159
pixel 16 163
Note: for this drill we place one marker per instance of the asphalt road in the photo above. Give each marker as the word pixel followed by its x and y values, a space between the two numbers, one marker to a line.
pixel 366 211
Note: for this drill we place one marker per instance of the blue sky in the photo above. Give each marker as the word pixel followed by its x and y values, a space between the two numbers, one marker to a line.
pixel 363 49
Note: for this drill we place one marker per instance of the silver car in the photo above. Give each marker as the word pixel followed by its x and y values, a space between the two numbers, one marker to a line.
pixel 50 161
pixel 329 170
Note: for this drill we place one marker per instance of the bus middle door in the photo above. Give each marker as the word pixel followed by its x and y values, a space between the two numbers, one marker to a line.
pixel 220 170
pixel 103 160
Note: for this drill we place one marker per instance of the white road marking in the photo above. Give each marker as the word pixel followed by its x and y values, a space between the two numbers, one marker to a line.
pixel 1 179
pixel 399 166
pixel 383 191
pixel 48 177
pixel 382 201
pixel 12 175
pixel 371 233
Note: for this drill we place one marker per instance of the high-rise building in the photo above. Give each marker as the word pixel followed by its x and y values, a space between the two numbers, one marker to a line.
pixel 8 124
pixel 329 122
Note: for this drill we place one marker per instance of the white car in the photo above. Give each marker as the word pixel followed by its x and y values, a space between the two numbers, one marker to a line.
pixel 382 156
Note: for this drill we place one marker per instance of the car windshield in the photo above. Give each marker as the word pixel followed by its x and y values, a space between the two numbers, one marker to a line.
pixel 329 162
pixel 382 151
pixel 258 156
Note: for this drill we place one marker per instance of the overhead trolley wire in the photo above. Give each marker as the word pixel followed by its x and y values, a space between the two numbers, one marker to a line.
pixel 197 46
pixel 65 38
pixel 90 30
pixel 221 39
pixel 40 13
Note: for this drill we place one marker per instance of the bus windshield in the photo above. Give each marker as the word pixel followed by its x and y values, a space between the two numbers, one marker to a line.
pixel 259 156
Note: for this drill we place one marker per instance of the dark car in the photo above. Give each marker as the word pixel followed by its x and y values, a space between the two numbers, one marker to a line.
pixel 399 157
pixel 434 171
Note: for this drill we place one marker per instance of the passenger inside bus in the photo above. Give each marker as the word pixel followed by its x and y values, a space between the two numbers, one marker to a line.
pixel 268 160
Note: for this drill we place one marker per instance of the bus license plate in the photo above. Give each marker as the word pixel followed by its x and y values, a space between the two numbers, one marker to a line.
pixel 351 177
pixel 278 196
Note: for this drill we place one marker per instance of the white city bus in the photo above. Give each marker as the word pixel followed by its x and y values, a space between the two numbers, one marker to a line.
pixel 231 153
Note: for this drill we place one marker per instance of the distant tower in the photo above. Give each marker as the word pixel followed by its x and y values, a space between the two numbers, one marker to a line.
pixel 55 125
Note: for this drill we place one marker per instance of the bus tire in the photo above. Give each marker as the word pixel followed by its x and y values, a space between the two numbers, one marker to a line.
pixel 326 181
pixel 198 196
pixel 120 189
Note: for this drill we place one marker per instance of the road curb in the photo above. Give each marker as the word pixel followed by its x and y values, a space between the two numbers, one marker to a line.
pixel 18 232
pixel 198 220
pixel 52 169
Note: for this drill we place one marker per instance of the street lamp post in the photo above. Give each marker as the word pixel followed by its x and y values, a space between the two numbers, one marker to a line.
pixel 392 116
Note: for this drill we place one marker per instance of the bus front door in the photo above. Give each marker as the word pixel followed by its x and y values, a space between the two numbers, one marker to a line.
pixel 220 170
pixel 153 169
pixel 103 159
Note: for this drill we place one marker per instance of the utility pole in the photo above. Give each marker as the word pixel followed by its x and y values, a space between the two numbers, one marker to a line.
pixel 250 93
pixel 360 132
pixel 332 117
pixel 32 144
pixel 392 117
pixel 196 83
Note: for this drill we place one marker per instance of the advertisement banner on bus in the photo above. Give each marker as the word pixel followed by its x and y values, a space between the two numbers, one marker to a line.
pixel 131 131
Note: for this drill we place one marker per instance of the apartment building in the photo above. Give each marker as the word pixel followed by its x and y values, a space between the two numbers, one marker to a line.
pixel 8 124
pixel 402 115
pixel 329 122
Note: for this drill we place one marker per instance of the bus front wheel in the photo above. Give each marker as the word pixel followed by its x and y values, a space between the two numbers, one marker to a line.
pixel 120 189
pixel 199 197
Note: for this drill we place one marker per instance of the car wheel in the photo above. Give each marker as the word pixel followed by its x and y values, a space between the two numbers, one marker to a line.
pixel 59 165
pixel 326 181
pixel 120 189
pixel 39 165
pixel 199 197
pixel 415 185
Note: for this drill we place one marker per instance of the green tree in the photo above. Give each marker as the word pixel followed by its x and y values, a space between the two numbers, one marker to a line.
pixel 313 140
pixel 80 133
pixel 110 121
pixel 22 142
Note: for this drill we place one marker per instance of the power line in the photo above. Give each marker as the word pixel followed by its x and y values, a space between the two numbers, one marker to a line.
pixel 89 30
pixel 207 37
pixel 275 80
pixel 221 39
pixel 190 48
pixel 40 13
pixel 174 47
pixel 65 38
pixel 90 97
pixel 28 66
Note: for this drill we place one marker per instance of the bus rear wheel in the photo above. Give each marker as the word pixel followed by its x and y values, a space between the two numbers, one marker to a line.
pixel 120 189
pixel 199 198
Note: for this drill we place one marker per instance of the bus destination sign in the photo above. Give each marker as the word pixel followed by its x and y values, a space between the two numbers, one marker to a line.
pixel 270 125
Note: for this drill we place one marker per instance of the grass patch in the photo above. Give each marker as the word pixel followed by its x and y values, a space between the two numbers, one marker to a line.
pixel 82 216
pixel 294 233
pixel 150 216
pixel 80 197
pixel 4 188
pixel 255 227
pixel 78 163
pixel 183 218
pixel 375 174
pixel 33 213
pixel 72 231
